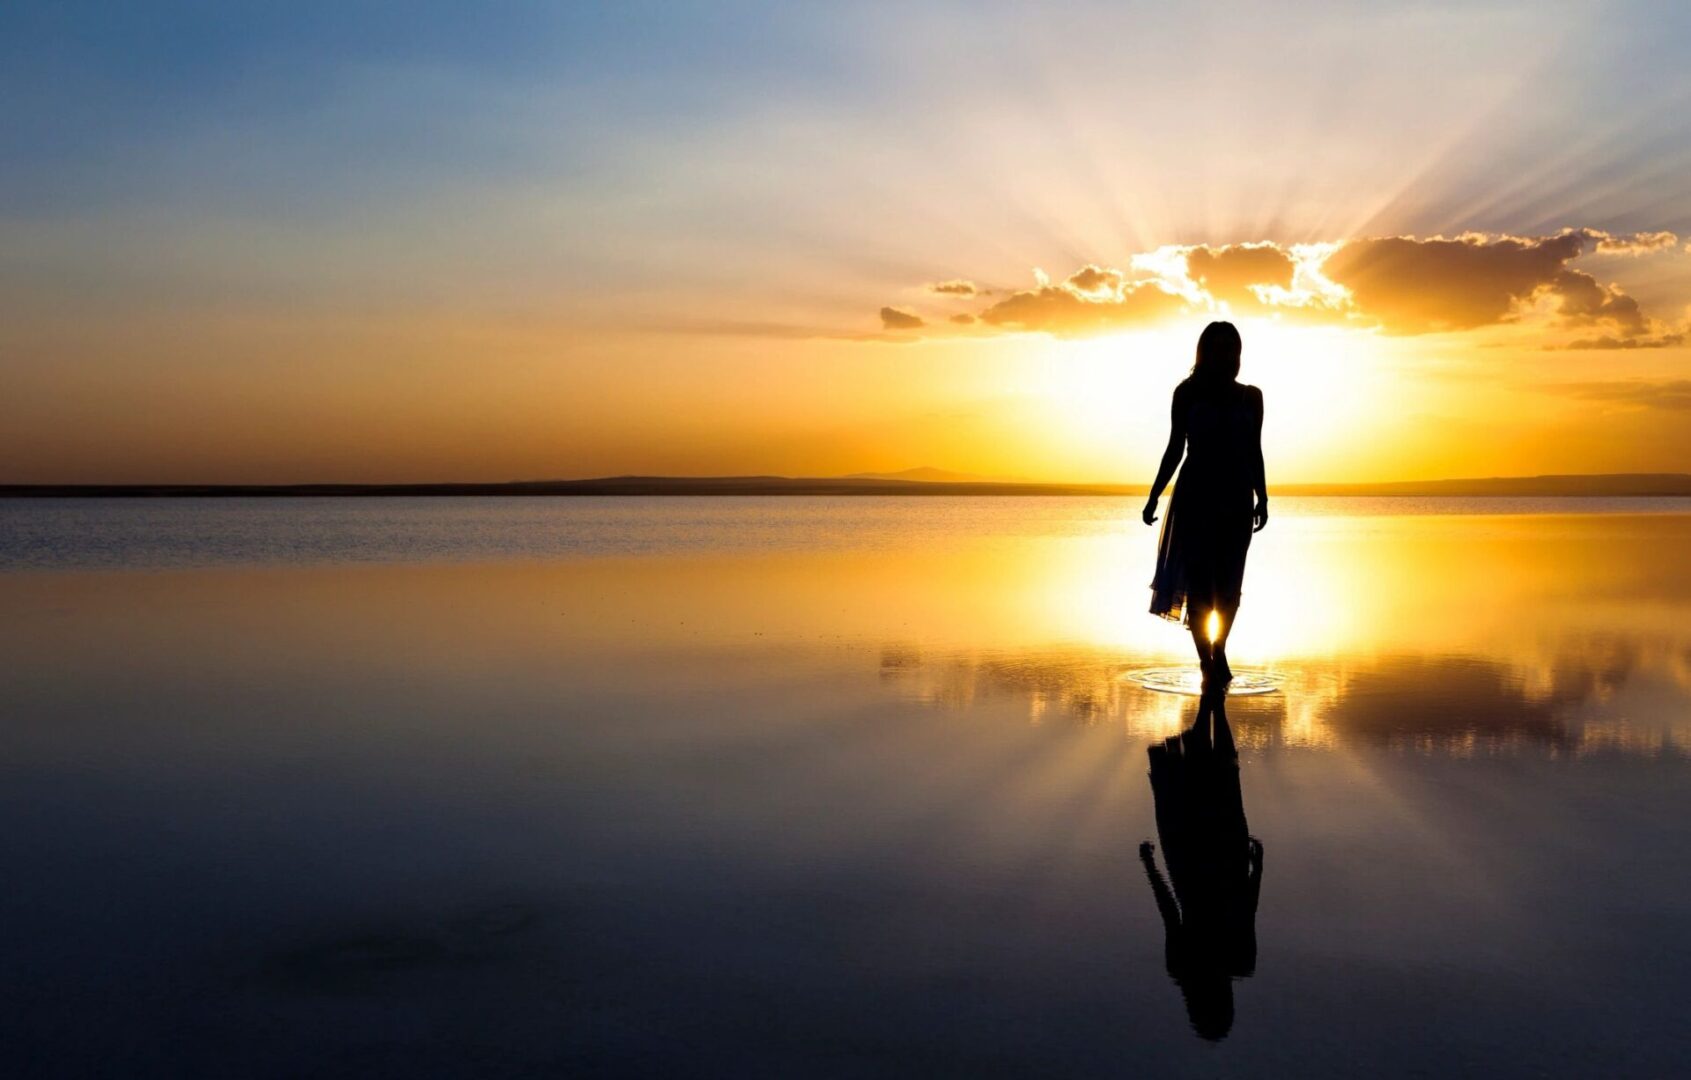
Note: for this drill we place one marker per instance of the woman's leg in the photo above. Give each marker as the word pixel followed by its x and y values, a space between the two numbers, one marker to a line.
pixel 1200 619
pixel 1228 611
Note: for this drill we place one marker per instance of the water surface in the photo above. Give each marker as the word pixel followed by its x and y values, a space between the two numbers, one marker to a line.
pixel 828 786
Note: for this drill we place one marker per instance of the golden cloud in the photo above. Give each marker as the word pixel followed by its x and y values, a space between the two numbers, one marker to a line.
pixel 1238 272
pixel 1097 282
pixel 1398 285
pixel 1072 309
pixel 1643 243
pixel 958 287
pixel 894 319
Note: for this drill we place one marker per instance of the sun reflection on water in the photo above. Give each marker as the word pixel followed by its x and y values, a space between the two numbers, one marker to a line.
pixel 1455 634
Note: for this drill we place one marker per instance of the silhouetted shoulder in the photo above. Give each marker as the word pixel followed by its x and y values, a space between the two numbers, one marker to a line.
pixel 1182 399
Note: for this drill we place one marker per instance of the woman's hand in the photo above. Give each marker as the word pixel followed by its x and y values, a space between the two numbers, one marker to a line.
pixel 1259 516
pixel 1150 513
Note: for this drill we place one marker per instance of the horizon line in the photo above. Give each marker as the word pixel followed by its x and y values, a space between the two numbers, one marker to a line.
pixel 1536 485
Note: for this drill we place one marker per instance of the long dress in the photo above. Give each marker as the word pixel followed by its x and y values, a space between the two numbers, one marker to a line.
pixel 1207 527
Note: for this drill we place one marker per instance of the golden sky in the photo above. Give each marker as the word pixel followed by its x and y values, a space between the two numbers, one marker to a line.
pixel 310 245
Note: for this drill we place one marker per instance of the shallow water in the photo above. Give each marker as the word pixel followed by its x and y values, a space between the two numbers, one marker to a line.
pixel 831 787
pixel 134 533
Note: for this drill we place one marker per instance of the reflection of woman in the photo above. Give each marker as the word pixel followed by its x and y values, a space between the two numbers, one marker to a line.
pixel 1214 865
pixel 1216 424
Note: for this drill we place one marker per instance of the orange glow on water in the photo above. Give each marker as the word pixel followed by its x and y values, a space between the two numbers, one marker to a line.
pixel 1049 621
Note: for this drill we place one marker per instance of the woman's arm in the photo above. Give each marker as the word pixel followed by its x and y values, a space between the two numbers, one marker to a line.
pixel 1172 453
pixel 1259 481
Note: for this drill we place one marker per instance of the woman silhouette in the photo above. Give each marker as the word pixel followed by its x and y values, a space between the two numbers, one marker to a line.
pixel 1215 423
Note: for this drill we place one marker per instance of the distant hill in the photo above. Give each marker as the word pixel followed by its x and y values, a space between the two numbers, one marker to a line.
pixel 931 475
pixel 608 485
pixel 1603 484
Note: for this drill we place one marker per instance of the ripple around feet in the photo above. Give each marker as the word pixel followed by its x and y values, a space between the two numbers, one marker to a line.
pixel 1188 680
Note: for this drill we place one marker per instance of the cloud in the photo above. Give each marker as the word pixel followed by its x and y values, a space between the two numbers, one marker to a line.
pixel 1407 286
pixel 1583 302
pixel 964 319
pixel 959 287
pixel 1097 282
pixel 1236 273
pixel 1674 394
pixel 1398 285
pixel 1411 286
pixel 894 319
pixel 1642 243
pixel 1091 301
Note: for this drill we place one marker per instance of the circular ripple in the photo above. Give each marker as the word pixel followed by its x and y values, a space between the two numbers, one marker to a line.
pixel 1188 680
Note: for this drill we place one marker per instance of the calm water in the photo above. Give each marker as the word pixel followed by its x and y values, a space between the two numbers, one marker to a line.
pixel 849 787
pixel 135 533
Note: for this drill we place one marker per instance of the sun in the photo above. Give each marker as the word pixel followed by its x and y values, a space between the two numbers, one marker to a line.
pixel 1106 398
pixel 1323 387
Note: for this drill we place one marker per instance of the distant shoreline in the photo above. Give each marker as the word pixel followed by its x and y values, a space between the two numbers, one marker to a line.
pixel 1609 485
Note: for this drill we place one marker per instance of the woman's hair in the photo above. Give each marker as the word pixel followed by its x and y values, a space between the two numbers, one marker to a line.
pixel 1218 354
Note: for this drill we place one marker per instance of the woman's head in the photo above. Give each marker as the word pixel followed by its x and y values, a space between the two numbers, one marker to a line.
pixel 1218 353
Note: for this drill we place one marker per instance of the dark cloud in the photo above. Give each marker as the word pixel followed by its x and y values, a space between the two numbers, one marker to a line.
pixel 1412 286
pixel 1583 302
pixel 1227 273
pixel 963 319
pixel 894 319
pixel 958 287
